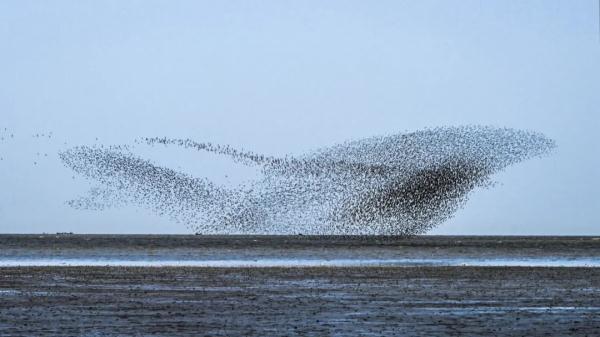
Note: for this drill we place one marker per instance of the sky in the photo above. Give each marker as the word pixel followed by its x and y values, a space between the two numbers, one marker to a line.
pixel 287 77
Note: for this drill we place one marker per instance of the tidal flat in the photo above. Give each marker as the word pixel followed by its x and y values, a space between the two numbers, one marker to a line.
pixel 334 300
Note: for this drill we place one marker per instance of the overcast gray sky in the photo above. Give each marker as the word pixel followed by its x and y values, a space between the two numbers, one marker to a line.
pixel 283 77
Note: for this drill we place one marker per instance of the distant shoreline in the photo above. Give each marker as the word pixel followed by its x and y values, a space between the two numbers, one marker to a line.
pixel 296 251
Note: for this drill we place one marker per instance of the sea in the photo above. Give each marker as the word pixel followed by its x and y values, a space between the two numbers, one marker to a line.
pixel 67 249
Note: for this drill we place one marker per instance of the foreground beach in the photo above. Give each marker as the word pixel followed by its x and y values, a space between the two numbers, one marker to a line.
pixel 164 285
pixel 426 301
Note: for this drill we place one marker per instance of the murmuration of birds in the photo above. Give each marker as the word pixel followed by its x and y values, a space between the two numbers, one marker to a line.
pixel 403 184
pixel 5 135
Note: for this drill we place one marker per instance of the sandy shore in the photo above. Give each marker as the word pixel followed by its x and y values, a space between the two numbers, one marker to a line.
pixel 425 301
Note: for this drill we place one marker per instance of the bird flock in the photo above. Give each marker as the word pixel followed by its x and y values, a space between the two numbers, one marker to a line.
pixel 402 184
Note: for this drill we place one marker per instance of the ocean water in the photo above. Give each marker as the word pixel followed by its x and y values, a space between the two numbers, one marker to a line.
pixel 296 251
pixel 287 262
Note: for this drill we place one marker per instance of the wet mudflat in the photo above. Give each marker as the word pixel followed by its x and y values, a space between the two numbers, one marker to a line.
pixel 334 301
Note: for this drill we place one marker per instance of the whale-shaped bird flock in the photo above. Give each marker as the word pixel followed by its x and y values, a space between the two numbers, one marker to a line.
pixel 400 184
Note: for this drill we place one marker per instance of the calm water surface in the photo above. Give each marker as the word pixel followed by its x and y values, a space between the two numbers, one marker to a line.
pixel 296 251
